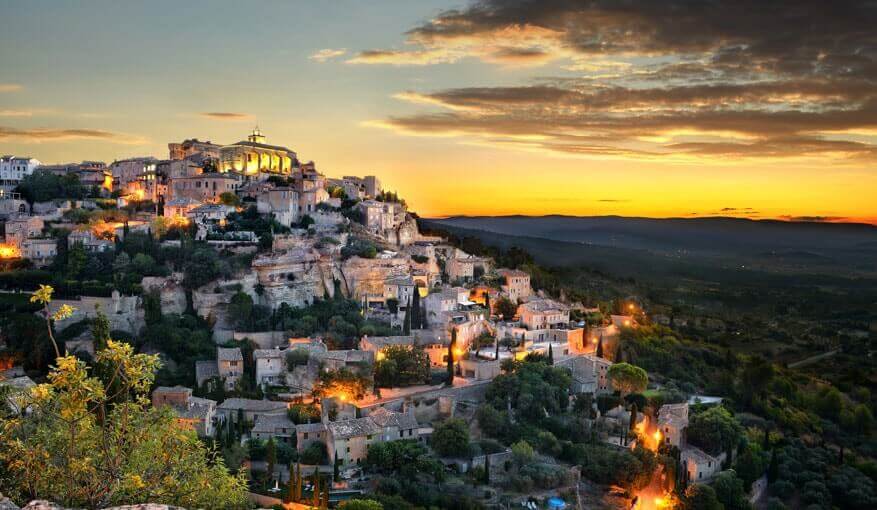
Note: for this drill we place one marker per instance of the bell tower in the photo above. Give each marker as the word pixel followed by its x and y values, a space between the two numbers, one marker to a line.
pixel 256 136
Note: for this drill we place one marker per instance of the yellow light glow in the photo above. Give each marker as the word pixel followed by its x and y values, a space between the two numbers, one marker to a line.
pixel 627 323
pixel 380 355
pixel 8 251
pixel 630 306
pixel 594 339
pixel 657 435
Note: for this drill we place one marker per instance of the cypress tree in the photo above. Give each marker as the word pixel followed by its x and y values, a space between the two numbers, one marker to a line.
pixel 487 469
pixel 600 348
pixel 487 303
pixel 324 503
pixel 406 322
pixel 316 493
pixel 633 411
pixel 451 347
pixel 550 355
pixel 496 356
pixel 416 322
pixel 290 488
pixel 336 473
pixel 297 494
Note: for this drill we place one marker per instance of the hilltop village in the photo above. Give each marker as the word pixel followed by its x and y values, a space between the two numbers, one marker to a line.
pixel 324 346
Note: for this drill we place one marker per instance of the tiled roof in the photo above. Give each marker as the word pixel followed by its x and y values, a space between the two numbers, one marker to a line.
pixel 248 404
pixel 352 428
pixel 229 354
pixel 545 305
pixel 267 353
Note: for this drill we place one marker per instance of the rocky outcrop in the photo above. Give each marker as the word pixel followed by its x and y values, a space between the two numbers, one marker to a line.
pixel 172 294
pixel 40 504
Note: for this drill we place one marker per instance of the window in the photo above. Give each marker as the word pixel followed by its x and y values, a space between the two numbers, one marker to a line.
pixel 305 435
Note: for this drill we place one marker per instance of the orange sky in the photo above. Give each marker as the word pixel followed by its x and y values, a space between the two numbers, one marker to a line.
pixel 475 111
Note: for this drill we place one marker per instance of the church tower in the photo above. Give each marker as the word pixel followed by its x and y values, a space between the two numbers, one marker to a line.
pixel 256 136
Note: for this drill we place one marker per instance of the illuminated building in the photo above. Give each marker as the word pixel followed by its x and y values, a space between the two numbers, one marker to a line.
pixel 125 171
pixel 254 158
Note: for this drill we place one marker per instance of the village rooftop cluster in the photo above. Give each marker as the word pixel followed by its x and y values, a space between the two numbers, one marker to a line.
pixel 342 238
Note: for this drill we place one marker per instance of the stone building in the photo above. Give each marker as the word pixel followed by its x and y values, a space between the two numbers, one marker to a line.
pixel 192 147
pixel 253 158
pixel 230 365
pixel 203 187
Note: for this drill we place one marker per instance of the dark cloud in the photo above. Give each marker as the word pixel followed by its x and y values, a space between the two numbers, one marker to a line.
pixel 702 79
pixel 49 135
pixel 226 115
pixel 814 219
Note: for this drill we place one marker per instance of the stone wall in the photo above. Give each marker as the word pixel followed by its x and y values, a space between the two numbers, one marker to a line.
pixel 125 313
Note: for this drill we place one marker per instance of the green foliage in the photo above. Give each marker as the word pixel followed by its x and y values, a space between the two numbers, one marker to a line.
pixel 80 447
pixel 522 452
pixel 714 430
pixel 360 504
pixel 297 357
pixel 405 457
pixel 240 309
pixel 314 454
pixel 402 366
pixel 504 306
pixel 342 382
pixel 730 492
pixel 229 198
pixel 700 497
pixel 451 438
pixel 605 464
pixel 532 389
pixel 359 247
pixel 628 378
pixel 42 186
pixel 304 413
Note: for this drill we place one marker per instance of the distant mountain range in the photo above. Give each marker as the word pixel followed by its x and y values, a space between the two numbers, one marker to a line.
pixel 802 245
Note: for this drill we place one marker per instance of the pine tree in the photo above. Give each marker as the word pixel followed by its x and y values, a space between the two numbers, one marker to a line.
pixel 599 352
pixel 451 348
pixel 550 355
pixel 416 322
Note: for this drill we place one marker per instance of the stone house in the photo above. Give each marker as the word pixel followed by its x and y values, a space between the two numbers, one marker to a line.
pixel 251 409
pixel 543 314
pixel 193 413
pixel 270 366
pixel 672 422
pixel 516 284
pixel 277 426
pixel 350 439
pixel 309 433
pixel 230 365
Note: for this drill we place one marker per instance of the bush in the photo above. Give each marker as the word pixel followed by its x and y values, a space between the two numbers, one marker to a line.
pixel 314 454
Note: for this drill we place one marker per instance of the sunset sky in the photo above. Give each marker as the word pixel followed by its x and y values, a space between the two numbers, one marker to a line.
pixel 742 108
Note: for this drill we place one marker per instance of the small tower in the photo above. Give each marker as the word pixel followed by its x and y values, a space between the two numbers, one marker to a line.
pixel 256 136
